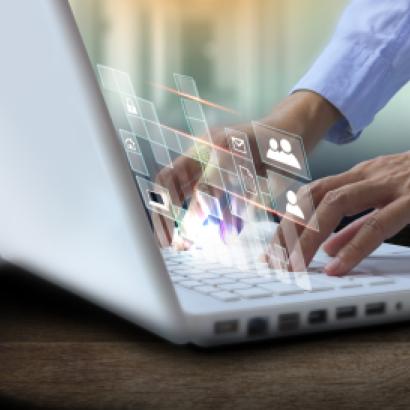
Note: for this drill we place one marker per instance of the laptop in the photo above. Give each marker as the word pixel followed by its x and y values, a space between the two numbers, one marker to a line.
pixel 72 212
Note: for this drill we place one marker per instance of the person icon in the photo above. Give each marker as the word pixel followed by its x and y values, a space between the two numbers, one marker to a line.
pixel 292 206
pixel 288 157
pixel 284 155
pixel 273 151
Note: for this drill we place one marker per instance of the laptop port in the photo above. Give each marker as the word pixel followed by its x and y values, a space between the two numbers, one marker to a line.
pixel 288 322
pixel 346 312
pixel 258 326
pixel 317 316
pixel 226 326
pixel 375 308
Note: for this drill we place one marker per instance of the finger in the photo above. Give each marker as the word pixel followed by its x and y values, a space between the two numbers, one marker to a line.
pixel 162 229
pixel 348 200
pixel 180 181
pixel 181 178
pixel 163 226
pixel 380 226
pixel 341 238
pixel 321 187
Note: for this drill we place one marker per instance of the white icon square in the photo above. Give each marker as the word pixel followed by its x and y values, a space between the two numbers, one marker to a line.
pixel 129 141
pixel 238 145
pixel 282 150
pixel 156 197
pixel 293 200
pixel 248 180
pixel 131 105
pixel 239 142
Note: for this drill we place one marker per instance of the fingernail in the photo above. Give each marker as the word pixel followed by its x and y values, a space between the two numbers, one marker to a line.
pixel 334 267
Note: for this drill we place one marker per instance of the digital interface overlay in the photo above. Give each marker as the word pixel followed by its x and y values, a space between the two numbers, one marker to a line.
pixel 233 201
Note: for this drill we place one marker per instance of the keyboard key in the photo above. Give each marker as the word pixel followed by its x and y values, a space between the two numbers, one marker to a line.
pixel 235 286
pixel 239 276
pixel 218 281
pixel 172 273
pixel 320 286
pixel 208 265
pixel 254 293
pixel 337 281
pixel 177 278
pixel 189 283
pixel 181 257
pixel 351 285
pixel 282 289
pixel 202 276
pixel 223 270
pixel 259 280
pixel 205 289
pixel 225 296
pixel 189 270
pixel 385 281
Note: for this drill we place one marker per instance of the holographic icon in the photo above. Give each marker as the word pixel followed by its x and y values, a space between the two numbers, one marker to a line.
pixel 248 180
pixel 158 200
pixel 131 107
pixel 282 150
pixel 284 155
pixel 238 144
pixel 292 206
pixel 130 145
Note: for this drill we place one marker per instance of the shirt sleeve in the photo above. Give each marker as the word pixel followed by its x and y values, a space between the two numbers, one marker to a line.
pixel 365 64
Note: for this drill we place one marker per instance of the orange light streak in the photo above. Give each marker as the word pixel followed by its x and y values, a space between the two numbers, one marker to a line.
pixel 196 139
pixel 194 98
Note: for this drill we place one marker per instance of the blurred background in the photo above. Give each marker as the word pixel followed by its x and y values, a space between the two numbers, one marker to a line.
pixel 244 54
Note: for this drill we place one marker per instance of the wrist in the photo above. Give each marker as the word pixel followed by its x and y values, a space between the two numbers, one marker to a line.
pixel 307 114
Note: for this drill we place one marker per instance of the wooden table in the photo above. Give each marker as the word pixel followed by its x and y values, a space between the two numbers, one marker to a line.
pixel 58 351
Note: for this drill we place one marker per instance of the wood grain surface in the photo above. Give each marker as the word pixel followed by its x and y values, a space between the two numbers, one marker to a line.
pixel 57 351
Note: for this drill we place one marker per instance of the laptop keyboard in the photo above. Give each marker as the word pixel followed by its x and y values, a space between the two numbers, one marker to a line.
pixel 228 283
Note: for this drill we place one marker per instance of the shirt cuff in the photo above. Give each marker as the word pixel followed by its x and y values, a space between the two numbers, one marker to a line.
pixel 347 74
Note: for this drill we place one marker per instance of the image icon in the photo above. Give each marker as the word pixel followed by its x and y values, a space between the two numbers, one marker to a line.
pixel 158 200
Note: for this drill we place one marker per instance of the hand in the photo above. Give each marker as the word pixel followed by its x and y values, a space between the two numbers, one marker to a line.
pixel 304 113
pixel 382 184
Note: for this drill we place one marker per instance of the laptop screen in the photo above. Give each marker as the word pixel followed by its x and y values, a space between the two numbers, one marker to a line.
pixel 187 85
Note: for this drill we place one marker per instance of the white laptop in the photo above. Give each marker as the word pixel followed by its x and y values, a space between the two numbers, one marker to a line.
pixel 71 212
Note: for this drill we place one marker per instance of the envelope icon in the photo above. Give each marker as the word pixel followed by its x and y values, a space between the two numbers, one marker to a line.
pixel 238 144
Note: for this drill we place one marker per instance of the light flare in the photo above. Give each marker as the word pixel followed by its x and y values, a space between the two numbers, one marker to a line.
pixel 194 98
